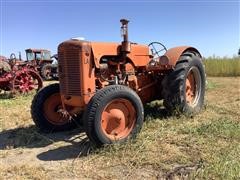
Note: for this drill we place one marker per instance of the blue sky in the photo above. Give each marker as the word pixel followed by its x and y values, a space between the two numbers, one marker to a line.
pixel 212 26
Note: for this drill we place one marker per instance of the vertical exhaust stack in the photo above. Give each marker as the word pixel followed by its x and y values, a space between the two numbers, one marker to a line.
pixel 126 46
pixel 19 56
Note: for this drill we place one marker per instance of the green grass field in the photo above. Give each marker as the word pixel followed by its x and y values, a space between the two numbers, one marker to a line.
pixel 224 67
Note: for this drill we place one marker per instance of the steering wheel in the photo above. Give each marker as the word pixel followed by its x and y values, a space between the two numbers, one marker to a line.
pixel 157 49
pixel 12 59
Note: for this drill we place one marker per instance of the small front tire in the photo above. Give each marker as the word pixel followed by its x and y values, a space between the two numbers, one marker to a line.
pixel 114 114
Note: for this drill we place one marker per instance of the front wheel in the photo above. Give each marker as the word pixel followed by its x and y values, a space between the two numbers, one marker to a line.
pixel 46 111
pixel 114 114
pixel 184 88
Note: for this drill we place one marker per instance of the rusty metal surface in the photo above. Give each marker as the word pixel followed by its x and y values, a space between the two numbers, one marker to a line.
pixel 69 71
pixel 76 75
pixel 174 54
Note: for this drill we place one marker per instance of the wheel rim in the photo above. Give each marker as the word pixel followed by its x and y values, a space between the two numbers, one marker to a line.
pixel 51 108
pixel 26 81
pixel 193 86
pixel 118 119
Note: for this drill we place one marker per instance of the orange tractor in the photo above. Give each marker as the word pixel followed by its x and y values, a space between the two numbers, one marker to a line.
pixel 104 86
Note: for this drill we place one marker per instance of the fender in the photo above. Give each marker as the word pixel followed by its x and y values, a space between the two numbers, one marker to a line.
pixel 174 54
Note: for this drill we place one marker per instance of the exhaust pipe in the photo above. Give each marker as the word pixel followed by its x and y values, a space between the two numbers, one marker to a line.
pixel 19 56
pixel 126 46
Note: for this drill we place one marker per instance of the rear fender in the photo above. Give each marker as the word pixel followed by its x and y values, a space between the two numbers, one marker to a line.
pixel 174 54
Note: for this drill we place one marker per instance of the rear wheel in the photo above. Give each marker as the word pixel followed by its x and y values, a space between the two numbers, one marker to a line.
pixel 46 72
pixel 114 114
pixel 184 88
pixel 47 109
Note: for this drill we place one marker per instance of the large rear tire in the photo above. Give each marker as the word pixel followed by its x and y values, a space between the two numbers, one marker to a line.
pixel 184 88
pixel 45 111
pixel 114 114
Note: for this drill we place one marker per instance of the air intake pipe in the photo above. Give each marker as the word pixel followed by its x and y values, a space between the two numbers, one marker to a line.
pixel 126 46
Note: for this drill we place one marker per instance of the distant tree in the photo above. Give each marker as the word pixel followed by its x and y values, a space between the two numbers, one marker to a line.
pixel 239 51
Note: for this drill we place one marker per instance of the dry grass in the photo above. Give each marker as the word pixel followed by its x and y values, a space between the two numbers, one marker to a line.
pixel 23 172
pixel 206 146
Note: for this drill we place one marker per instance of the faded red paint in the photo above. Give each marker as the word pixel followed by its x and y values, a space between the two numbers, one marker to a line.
pixel 174 54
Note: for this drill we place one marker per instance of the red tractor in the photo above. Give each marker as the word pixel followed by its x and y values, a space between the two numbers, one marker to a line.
pixel 108 83
pixel 18 77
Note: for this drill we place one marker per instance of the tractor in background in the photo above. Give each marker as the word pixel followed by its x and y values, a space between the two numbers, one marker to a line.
pixel 18 77
pixel 108 83
pixel 43 61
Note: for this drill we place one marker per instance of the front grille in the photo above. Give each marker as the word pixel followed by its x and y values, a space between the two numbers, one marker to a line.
pixel 69 71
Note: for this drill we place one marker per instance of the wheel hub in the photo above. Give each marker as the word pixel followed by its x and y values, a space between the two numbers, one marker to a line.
pixel 118 119
pixel 52 107
pixel 192 86
pixel 25 81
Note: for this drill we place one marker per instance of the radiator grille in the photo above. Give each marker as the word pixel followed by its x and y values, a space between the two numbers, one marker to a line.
pixel 69 71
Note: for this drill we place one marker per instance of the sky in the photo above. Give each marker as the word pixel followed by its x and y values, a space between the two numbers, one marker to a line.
pixel 211 26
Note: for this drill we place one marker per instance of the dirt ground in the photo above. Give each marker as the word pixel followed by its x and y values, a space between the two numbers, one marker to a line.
pixel 167 147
